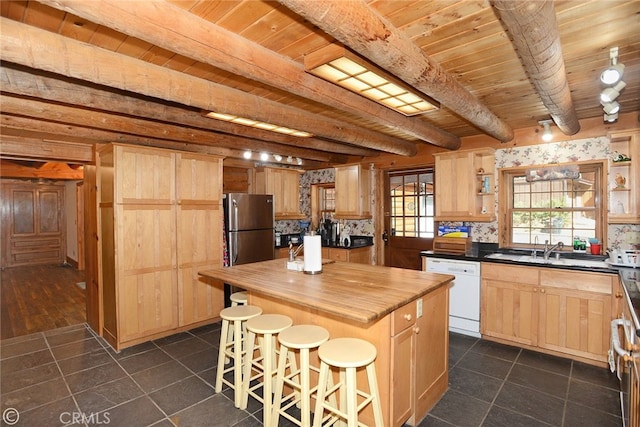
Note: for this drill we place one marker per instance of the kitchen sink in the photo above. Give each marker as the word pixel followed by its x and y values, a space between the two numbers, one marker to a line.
pixel 569 262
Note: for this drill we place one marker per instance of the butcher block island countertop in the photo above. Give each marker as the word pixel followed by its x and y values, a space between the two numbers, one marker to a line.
pixel 404 313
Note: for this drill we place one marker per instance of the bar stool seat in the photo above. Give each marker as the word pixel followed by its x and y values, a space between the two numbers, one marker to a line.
pixel 347 354
pixel 265 327
pixel 301 338
pixel 238 298
pixel 232 346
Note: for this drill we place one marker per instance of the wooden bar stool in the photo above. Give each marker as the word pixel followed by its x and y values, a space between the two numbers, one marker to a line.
pixel 301 338
pixel 238 298
pixel 233 349
pixel 265 327
pixel 346 354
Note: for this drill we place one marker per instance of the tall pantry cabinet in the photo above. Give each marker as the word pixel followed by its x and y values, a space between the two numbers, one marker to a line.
pixel 160 222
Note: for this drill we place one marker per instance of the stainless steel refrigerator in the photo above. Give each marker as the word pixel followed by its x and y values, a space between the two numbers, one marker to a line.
pixel 249 226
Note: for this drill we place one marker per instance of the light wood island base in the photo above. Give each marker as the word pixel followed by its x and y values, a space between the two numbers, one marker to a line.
pixel 404 313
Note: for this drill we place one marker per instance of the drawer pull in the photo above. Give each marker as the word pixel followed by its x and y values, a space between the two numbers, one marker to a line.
pixel 408 317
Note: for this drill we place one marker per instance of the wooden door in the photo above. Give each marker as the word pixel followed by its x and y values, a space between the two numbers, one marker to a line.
pixel 408 217
pixel 33 224
pixel 94 293
pixel 80 223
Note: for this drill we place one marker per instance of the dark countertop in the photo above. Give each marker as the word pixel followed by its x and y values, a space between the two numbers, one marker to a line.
pixel 629 277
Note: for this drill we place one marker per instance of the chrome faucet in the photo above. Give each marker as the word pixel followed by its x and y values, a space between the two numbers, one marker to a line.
pixel 534 252
pixel 548 250
pixel 293 253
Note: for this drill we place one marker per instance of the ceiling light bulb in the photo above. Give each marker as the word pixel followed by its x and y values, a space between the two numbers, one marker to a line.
pixel 610 118
pixel 546 133
pixel 298 160
pixel 611 107
pixel 289 159
pixel 246 154
pixel 264 157
pixel 277 157
pixel 612 75
pixel 611 93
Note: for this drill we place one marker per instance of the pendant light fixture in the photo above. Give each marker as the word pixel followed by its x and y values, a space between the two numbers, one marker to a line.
pixel 547 135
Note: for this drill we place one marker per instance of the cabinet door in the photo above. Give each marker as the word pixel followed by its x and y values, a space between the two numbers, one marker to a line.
pixel 199 227
pixel 455 193
pixel 352 192
pixel 575 313
pixel 432 343
pixel 509 310
pixel 284 185
pixel 144 175
pixel 146 275
pixel 403 345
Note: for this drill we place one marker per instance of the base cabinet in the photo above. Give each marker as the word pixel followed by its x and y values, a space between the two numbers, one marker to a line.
pixel 160 222
pixel 357 255
pixel 419 357
pixel 553 310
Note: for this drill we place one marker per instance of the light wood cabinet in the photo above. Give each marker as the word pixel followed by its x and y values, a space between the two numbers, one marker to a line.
pixel 357 255
pixel 465 185
pixel 160 223
pixel 624 178
pixel 558 311
pixel 353 188
pixel 284 185
pixel 419 328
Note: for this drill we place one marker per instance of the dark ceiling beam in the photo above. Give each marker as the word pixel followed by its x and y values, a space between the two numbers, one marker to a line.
pixel 533 29
pixel 198 39
pixel 36 48
pixel 36 83
pixel 362 29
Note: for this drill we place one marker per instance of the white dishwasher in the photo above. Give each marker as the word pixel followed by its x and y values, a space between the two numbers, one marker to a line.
pixel 464 294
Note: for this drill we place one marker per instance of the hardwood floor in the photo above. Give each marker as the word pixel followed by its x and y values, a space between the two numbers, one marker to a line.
pixel 39 298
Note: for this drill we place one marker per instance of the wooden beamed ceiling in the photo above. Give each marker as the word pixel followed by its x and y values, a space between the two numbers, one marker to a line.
pixel 145 72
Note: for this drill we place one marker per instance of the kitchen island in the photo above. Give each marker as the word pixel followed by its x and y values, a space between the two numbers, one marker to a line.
pixel 404 313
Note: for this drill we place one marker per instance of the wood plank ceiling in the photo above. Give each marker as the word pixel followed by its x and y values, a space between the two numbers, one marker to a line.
pixel 143 72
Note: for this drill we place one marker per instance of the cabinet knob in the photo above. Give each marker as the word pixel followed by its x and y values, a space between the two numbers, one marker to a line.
pixel 619 295
pixel 407 317
pixel 542 291
pixel 416 329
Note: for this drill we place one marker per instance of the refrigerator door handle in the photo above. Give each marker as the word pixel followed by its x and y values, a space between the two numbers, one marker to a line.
pixel 235 214
pixel 234 248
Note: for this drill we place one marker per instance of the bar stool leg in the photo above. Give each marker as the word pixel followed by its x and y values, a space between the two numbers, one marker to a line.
pixel 222 354
pixel 237 362
pixel 351 397
pixel 373 390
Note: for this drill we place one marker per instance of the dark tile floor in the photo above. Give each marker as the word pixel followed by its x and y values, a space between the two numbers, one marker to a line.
pixel 69 376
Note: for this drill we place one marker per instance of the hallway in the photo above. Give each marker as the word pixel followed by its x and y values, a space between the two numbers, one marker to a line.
pixel 39 298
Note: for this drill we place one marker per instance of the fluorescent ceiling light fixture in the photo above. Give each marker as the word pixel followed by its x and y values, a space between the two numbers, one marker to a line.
pixel 611 107
pixel 339 66
pixel 611 93
pixel 610 118
pixel 259 125
pixel 547 135
pixel 613 74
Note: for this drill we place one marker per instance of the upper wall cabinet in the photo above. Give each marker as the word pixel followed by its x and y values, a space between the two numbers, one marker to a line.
pixel 353 186
pixel 465 185
pixel 624 178
pixel 284 185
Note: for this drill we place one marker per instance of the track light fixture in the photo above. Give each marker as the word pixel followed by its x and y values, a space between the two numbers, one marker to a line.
pixel 247 154
pixel 612 77
pixel 612 74
pixel 611 93
pixel 547 135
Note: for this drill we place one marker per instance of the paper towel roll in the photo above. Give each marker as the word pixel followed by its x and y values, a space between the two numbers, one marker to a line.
pixel 312 254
